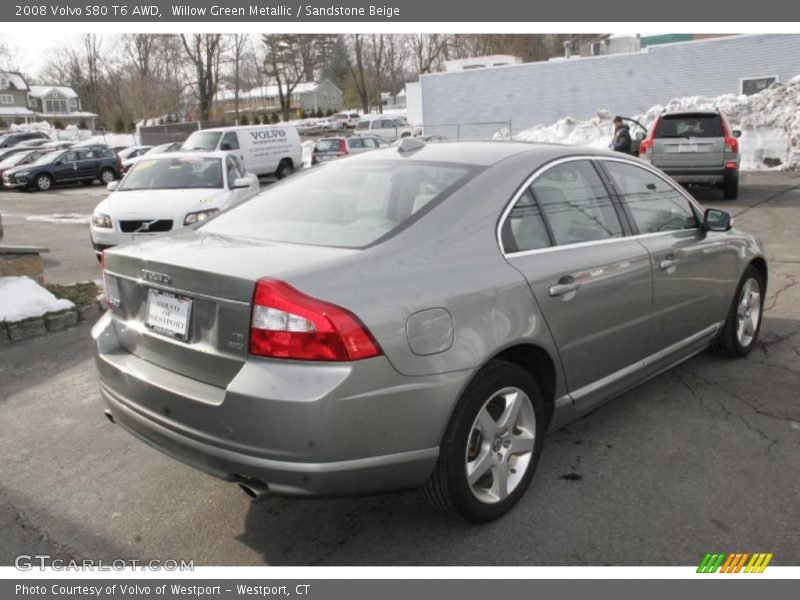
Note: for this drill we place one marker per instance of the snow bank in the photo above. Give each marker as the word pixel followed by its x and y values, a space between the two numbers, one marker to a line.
pixel 82 136
pixel 70 218
pixel 22 297
pixel 769 120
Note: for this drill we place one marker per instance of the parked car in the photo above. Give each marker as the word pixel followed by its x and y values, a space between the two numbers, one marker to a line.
pixel 167 148
pixel 263 149
pixel 342 120
pixel 8 152
pixel 388 127
pixel 19 159
pixel 16 137
pixel 696 147
pixel 36 143
pixel 418 316
pixel 336 147
pixel 164 192
pixel 57 145
pixel 133 151
pixel 84 165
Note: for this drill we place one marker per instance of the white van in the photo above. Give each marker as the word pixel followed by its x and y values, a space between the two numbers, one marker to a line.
pixel 264 149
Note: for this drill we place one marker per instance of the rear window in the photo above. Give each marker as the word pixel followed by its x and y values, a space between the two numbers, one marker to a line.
pixel 704 125
pixel 346 204
pixel 327 146
pixel 362 125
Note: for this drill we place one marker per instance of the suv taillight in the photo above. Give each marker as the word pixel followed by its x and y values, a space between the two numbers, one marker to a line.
pixel 342 147
pixel 731 143
pixel 286 323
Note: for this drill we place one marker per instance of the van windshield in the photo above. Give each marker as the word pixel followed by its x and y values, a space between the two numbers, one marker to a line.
pixel 202 140
pixel 344 204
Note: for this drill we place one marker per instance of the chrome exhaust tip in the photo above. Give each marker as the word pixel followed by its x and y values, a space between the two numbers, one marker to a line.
pixel 256 490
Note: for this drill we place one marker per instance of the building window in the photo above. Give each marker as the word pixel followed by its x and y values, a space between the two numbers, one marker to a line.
pixel 6 99
pixel 32 102
pixel 754 85
pixel 56 106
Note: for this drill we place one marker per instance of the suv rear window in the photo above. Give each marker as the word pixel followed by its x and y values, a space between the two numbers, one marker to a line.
pixel 345 204
pixel 331 145
pixel 703 125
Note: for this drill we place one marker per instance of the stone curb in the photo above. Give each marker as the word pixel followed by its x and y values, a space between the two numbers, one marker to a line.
pixel 17 331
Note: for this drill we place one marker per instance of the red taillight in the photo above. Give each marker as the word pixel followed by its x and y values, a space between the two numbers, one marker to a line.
pixel 730 165
pixel 342 147
pixel 731 143
pixel 286 323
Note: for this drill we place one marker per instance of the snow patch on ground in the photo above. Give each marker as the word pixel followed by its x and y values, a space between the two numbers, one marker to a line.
pixel 22 297
pixel 71 218
pixel 769 121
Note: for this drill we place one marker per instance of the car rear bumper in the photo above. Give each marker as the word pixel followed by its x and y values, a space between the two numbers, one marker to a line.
pixel 707 175
pixel 356 429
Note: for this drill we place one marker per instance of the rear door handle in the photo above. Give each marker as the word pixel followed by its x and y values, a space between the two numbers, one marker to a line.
pixel 564 286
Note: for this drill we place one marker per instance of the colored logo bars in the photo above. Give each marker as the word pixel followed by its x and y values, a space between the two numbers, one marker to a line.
pixel 734 562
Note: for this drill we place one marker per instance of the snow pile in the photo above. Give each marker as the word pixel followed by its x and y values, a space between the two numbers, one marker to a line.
pixel 73 218
pixel 82 136
pixel 22 297
pixel 769 121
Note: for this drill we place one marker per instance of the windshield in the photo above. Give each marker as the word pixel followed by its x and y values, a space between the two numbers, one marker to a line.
pixel 49 157
pixel 17 158
pixel 702 125
pixel 202 140
pixel 174 173
pixel 344 205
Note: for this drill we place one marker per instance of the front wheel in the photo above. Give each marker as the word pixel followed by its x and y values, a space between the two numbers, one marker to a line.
pixel 44 182
pixel 739 334
pixel 491 447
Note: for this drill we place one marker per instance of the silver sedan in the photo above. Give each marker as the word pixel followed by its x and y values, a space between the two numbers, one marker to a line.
pixel 418 317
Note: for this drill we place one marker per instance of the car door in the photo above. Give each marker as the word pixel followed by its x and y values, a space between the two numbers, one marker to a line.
pixel 356 145
pixel 693 270
pixel 593 284
pixel 235 170
pixel 87 164
pixel 230 143
pixel 66 167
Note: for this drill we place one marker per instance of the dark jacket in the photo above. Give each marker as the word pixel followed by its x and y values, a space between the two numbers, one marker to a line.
pixel 622 140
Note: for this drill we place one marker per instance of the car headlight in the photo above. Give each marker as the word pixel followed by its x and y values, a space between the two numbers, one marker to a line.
pixel 200 216
pixel 22 173
pixel 101 220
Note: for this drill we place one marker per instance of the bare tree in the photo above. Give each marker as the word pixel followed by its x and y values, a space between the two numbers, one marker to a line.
pixel 284 63
pixel 358 70
pixel 204 51
pixel 238 48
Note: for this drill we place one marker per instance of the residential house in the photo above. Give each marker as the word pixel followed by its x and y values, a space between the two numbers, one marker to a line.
pixel 309 97
pixel 21 103
pixel 14 99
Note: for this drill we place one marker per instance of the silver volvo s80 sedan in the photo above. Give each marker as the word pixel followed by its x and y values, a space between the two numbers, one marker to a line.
pixel 418 316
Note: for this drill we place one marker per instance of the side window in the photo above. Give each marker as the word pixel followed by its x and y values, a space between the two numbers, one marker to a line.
pixel 229 141
pixel 524 227
pixel 86 155
pixel 576 204
pixel 357 143
pixel 654 204
pixel 70 157
pixel 242 172
pixel 232 169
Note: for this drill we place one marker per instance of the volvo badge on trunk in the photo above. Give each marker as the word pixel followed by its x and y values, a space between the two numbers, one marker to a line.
pixel 156 277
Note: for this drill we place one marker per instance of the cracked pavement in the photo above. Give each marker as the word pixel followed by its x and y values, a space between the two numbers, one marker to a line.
pixel 705 457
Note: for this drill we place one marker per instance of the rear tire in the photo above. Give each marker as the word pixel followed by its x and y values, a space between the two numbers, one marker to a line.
pixel 285 168
pixel 730 187
pixel 44 182
pixel 491 446
pixel 739 334
pixel 107 176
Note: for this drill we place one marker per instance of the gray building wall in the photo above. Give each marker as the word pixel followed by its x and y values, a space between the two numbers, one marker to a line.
pixel 326 97
pixel 541 93
pixel 20 98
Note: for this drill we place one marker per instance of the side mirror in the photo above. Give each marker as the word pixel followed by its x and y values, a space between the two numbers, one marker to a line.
pixel 240 182
pixel 112 186
pixel 717 220
pixel 737 133
pixel 59 163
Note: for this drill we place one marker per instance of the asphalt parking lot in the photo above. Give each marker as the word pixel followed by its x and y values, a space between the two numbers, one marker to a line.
pixel 705 457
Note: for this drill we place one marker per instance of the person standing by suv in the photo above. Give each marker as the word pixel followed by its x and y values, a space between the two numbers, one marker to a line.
pixel 622 137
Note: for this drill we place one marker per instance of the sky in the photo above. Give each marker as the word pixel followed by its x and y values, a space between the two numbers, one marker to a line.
pixel 32 51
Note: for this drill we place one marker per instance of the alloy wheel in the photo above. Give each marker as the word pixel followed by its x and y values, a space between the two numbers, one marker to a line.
pixel 748 312
pixel 500 446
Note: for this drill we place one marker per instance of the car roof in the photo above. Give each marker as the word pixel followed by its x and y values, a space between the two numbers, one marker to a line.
pixel 236 128
pixel 699 111
pixel 479 153
pixel 187 153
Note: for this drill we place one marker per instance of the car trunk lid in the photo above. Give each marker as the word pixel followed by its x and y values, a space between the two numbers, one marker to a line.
pixel 689 140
